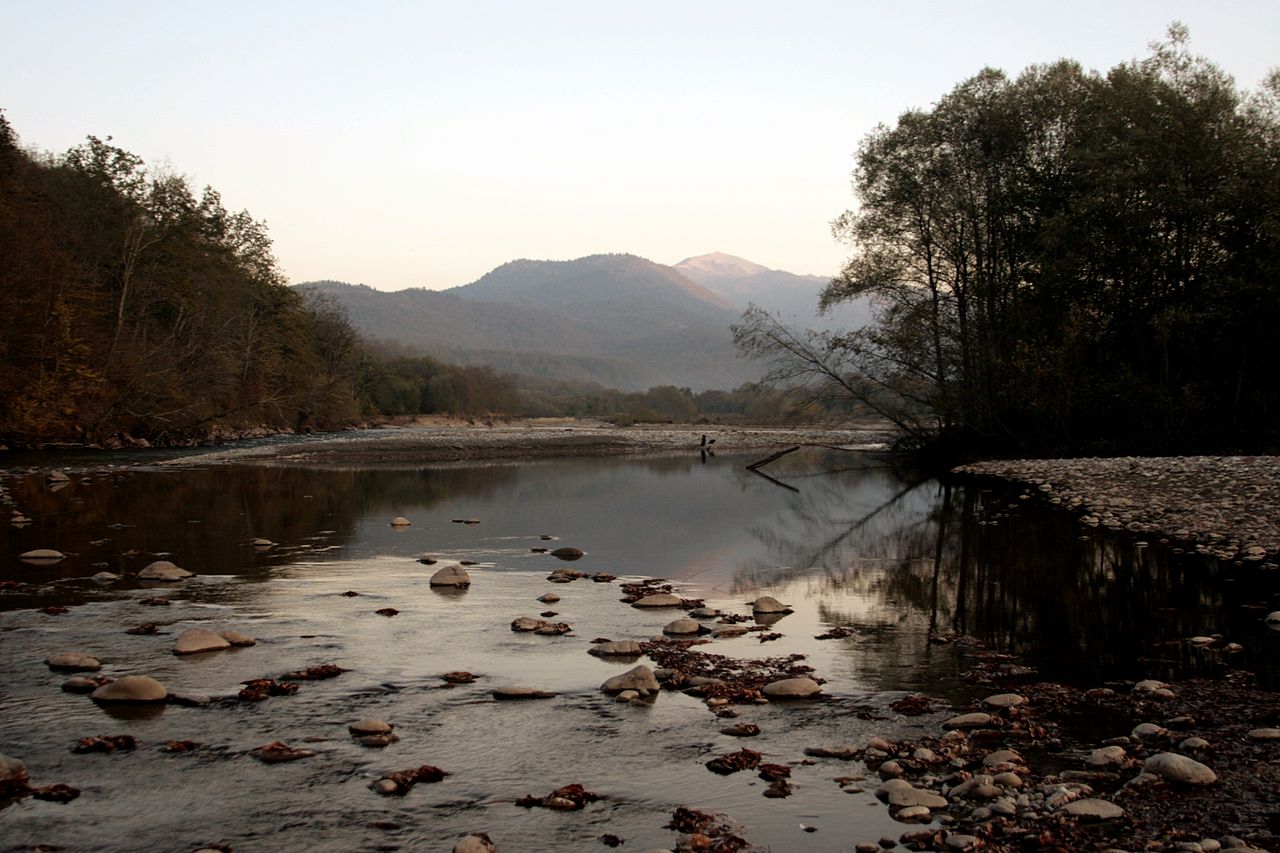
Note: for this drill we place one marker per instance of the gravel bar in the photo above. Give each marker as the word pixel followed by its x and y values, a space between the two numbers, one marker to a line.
pixel 1226 506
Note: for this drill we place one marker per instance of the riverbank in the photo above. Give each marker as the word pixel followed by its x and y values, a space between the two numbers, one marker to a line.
pixel 446 440
pixel 1227 507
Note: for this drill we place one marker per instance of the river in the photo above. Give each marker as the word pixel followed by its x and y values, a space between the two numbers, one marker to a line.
pixel 921 572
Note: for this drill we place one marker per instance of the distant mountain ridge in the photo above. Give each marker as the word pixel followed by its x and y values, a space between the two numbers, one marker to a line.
pixel 620 320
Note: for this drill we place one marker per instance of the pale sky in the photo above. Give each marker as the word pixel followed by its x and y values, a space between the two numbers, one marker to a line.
pixel 421 144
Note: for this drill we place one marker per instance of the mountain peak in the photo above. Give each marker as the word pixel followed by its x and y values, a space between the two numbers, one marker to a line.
pixel 719 265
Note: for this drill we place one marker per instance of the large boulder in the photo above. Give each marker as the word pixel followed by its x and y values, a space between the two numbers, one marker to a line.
pixel 639 678
pixel 196 640
pixel 454 576
pixel 131 688
pixel 163 570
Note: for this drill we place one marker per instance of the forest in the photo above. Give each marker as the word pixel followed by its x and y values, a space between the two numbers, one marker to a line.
pixel 1065 262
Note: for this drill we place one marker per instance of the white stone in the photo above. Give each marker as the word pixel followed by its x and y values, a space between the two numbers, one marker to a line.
pixel 792 688
pixel 1180 769
pixel 196 640
pixel 163 570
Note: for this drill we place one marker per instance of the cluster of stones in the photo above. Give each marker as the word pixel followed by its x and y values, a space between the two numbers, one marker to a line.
pixel 1146 495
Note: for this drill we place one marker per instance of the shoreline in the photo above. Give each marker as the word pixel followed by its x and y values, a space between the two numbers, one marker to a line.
pixel 1226 507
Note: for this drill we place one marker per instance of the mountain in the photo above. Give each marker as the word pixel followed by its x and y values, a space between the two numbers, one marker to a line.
pixel 794 298
pixel 619 320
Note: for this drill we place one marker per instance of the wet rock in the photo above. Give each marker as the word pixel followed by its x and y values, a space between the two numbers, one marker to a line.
pixel 41 556
pixel 704 612
pixel 131 688
pixel 548 598
pixel 258 689
pixel 975 720
pixel 73 662
pixel 960 841
pixel 569 798
pixel 526 623
pixel 163 570
pixel 454 576
pixel 84 684
pixel 627 696
pixel 837 633
pixel 723 632
pixel 458 677
pixel 190 700
pixel 58 793
pixel 1264 734
pixel 553 629
pixel 1179 769
pixel 1106 756
pixel 792 688
pixel 400 782
pixel 659 599
pixel 616 648
pixel 105 577
pixel 370 726
pixel 743 759
pixel 515 693
pixel 12 772
pixel 1002 759
pixel 197 640
pixel 741 730
pixel 905 794
pixel 105 743
pixel 400 521
pixel 314 673
pixel 278 751
pixel 477 843
pixel 1194 744
pixel 387 611
pixel 1148 732
pixel 236 638
pixel 913 814
pixel 639 678
pixel 1093 809
pixel 262 544
pixel 769 604
pixel 1004 700
pixel 682 626
pixel 569 553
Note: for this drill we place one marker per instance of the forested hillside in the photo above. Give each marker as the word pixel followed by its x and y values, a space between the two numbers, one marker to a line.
pixel 136 308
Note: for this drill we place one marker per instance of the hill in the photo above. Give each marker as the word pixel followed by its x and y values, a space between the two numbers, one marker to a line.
pixel 792 297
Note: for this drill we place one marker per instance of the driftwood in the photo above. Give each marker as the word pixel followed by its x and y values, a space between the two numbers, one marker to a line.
pixel 765 461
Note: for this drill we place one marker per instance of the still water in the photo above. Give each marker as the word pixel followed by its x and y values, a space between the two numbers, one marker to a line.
pixel 907 563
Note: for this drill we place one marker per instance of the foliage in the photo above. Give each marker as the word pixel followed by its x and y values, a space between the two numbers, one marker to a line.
pixel 1064 262
pixel 138 309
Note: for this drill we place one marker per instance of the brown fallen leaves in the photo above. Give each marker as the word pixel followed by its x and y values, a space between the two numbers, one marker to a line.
pixel 569 798
pixel 743 759
pixel 259 689
pixel 106 743
pixel 709 833
pixel 401 781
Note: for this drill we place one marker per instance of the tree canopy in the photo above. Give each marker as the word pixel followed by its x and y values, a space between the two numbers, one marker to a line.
pixel 1065 261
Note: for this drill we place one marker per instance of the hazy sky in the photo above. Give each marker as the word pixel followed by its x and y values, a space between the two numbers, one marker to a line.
pixel 422 144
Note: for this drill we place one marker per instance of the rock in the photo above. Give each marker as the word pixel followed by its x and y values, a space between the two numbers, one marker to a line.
pixel 478 843
pixel 163 570
pixel 56 477
pixel 569 553
pixel 975 720
pixel 769 604
pixel 912 796
pixel 1106 756
pixel 1004 700
pixel 683 625
pixel 41 555
pixel 912 814
pixel 73 662
pixel 263 544
pixel 454 576
pixel 1148 731
pixel 1193 744
pixel 235 638
pixel 639 678
pixel 83 684
pixel 659 599
pixel 513 693
pixel 616 648
pixel 1179 769
pixel 548 598
pixel 1093 809
pixel 370 726
pixel 1002 759
pixel 131 688
pixel 400 521
pixel 725 631
pixel 105 577
pixel 526 623
pixel 1149 686
pixel 196 640
pixel 1264 734
pixel 792 688
pixel 277 751
pixel 704 613
pixel 960 841
pixel 12 771
pixel 1273 619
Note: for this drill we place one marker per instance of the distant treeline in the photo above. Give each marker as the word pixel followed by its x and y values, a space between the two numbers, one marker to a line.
pixel 138 309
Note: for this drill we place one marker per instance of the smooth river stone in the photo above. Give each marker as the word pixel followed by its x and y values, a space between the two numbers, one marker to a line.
pixel 163 570
pixel 511 693
pixel 131 688
pixel 474 844
pixel 792 688
pixel 1004 700
pixel 683 625
pixel 639 678
pixel 1264 734
pixel 454 576
pixel 913 796
pixel 1106 756
pixel 370 726
pixel 73 662
pixel 569 553
pixel 235 638
pixel 41 555
pixel 616 648
pixel 1093 809
pixel 1179 769
pixel 196 640
pixel 975 720
pixel 725 631
pixel 658 599
pixel 400 521
pixel 769 604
